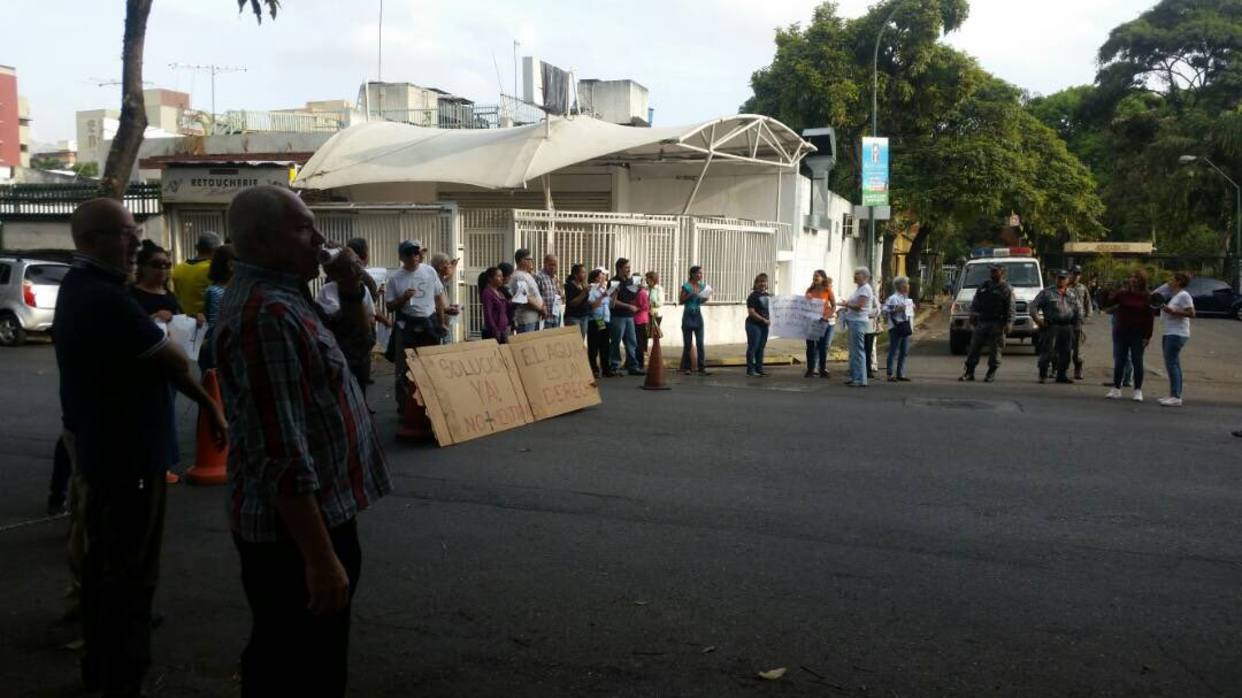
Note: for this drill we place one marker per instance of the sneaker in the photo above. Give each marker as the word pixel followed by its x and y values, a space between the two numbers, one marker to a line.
pixel 1138 396
pixel 1171 402
pixel 823 373
pixel 967 376
pixel 761 374
pixel 903 379
pixel 809 374
pixel 751 373
pixel 990 377
pixel 891 379
pixel 636 372
pixel 1113 393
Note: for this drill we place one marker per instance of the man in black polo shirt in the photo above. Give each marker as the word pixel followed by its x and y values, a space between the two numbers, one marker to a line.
pixel 624 305
pixel 116 367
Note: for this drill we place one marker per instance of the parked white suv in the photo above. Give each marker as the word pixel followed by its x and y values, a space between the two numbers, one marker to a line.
pixel 1024 275
pixel 28 291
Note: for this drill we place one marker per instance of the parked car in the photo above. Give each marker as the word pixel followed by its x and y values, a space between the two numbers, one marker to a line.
pixel 1212 297
pixel 28 290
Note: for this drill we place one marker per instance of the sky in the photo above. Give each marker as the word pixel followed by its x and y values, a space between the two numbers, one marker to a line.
pixel 695 56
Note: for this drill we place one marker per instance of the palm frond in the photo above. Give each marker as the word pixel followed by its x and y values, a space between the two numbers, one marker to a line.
pixel 256 6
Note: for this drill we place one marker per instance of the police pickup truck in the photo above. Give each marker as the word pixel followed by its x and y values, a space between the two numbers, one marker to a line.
pixel 1024 275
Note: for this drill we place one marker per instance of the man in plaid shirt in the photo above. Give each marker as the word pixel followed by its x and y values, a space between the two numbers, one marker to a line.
pixel 303 456
pixel 550 291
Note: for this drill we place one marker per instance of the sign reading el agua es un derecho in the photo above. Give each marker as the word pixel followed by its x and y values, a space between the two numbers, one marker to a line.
pixel 554 371
pixel 474 389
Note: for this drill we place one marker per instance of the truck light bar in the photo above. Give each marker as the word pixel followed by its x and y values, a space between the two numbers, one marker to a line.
pixel 982 252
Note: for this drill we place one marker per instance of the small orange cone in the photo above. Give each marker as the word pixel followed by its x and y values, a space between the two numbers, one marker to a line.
pixel 210 462
pixel 655 363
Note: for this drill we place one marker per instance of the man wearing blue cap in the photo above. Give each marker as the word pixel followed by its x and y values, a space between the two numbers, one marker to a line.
pixel 414 295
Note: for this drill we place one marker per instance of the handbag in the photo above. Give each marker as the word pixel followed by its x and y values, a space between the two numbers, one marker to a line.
pixel 902 329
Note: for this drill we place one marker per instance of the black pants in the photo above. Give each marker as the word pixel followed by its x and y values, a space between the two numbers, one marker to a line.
pixel 291 651
pixel 124 529
pixel 418 332
pixel 989 337
pixel 597 347
pixel 1076 356
pixel 1055 349
pixel 62 468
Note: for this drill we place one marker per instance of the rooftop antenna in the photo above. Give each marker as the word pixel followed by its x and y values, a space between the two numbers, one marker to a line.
pixel 213 69
pixel 379 67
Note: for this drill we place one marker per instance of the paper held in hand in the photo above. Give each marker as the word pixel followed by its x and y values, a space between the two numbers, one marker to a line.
pixel 797 317
pixel 184 331
pixel 706 293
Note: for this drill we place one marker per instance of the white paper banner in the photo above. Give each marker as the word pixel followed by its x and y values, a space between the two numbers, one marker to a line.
pixel 796 317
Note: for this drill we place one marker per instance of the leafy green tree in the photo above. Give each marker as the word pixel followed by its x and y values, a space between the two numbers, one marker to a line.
pixel 964 153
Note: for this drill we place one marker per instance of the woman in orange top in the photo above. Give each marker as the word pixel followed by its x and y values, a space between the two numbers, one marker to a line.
pixel 817 349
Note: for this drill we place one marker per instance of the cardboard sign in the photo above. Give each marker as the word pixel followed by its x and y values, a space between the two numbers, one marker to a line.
pixel 796 317
pixel 555 373
pixel 470 390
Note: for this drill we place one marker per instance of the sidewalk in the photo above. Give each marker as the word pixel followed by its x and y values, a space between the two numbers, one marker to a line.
pixel 783 351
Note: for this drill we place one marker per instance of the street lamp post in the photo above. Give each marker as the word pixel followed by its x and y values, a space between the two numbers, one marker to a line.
pixel 875 131
pixel 1237 214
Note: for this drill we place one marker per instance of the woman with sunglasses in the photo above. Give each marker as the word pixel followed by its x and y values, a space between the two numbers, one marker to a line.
pixel 150 289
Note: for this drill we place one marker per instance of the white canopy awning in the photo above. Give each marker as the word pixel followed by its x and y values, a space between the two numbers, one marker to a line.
pixel 507 158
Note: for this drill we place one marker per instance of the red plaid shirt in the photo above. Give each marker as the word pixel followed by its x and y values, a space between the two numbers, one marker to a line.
pixel 297 418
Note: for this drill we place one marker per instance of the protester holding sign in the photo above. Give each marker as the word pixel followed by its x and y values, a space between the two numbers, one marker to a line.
pixel 757 323
pixel 693 293
pixel 898 315
pixel 817 348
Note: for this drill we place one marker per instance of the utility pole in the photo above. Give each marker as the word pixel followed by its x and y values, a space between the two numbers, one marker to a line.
pixel 1237 213
pixel 213 69
pixel 379 67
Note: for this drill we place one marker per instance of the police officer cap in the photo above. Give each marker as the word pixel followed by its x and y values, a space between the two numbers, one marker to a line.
pixel 1062 274
pixel 996 265
pixel 1076 269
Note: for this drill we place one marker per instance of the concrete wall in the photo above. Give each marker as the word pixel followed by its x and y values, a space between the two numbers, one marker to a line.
pixel 726 191
pixel 615 101
pixel 10 139
pixel 36 235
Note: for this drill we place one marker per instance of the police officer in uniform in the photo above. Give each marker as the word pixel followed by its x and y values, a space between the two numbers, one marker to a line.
pixel 991 318
pixel 1083 294
pixel 1056 312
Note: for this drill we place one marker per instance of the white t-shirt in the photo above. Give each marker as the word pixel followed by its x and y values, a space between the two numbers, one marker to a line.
pixel 1179 325
pixel 426 284
pixel 329 299
pixel 897 308
pixel 525 290
pixel 865 298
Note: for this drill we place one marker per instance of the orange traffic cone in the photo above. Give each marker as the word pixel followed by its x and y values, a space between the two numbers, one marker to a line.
pixel 655 363
pixel 210 461
pixel 415 425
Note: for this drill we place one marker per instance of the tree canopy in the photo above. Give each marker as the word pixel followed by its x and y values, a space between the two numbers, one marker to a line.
pixel 1169 84
pixel 964 151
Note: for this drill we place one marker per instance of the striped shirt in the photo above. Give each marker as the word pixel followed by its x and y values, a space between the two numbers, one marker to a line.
pixel 297 418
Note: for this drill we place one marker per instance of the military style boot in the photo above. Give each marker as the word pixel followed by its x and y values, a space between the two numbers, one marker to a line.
pixel 969 375
pixel 991 376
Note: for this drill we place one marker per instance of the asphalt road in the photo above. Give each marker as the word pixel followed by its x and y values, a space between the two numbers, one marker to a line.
pixel 931 538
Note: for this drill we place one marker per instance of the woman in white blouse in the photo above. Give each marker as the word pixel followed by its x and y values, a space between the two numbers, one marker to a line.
pixel 858 318
pixel 899 320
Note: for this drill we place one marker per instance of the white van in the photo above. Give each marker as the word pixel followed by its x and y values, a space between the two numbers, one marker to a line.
pixel 1024 275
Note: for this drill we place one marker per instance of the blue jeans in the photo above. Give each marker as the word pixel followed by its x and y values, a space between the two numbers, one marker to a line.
pixel 580 322
pixel 692 330
pixel 1127 357
pixel 858 350
pixel 528 327
pixel 622 330
pixel 756 341
pixel 551 323
pixel 817 350
pixel 1172 362
pixel 898 350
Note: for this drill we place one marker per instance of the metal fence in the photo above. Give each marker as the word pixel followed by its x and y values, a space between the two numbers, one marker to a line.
pixel 38 200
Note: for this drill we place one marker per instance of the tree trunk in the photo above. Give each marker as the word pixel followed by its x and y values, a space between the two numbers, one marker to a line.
pixel 133 124
pixel 916 250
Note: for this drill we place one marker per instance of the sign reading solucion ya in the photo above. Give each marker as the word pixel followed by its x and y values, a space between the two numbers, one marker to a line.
pixel 875 172
pixel 474 389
